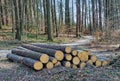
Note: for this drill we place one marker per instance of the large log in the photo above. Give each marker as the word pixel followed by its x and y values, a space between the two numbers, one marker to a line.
pixel 37 65
pixel 55 53
pixel 65 49
pixel 15 58
pixel 44 58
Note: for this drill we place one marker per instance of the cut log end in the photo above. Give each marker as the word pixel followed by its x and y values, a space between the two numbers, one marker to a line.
pixel 93 58
pixel 44 58
pixel 98 63
pixel 54 61
pixel 74 52
pixel 90 62
pixel 74 66
pixel 83 56
pixel 82 65
pixel 68 49
pixel 38 66
pixel 49 65
pixel 105 63
pixel 67 64
pixel 59 55
pixel 58 63
pixel 76 60
pixel 68 57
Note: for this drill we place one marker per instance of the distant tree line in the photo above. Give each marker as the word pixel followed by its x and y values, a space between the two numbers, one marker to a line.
pixel 50 16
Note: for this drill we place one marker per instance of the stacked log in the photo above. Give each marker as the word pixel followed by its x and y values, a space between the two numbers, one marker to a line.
pixel 37 65
pixel 39 56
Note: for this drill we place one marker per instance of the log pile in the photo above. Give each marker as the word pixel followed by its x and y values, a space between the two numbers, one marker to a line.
pixel 39 56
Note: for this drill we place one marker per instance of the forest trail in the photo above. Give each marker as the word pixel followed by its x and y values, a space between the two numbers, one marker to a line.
pixel 83 41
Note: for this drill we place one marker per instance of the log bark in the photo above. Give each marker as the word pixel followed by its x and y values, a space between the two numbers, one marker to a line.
pixel 65 49
pixel 54 53
pixel 36 65
pixel 15 58
pixel 53 60
pixel 44 58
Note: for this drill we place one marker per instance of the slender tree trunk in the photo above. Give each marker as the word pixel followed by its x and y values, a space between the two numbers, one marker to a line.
pixel 48 20
pixel 93 14
pixel 90 27
pixel 55 19
pixel 45 15
pixel 100 16
pixel 67 16
pixel 6 12
pixel 18 35
pixel 78 18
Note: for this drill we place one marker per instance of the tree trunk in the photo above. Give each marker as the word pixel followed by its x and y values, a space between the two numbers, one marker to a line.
pixel 100 16
pixel 18 35
pixel 48 20
pixel 78 18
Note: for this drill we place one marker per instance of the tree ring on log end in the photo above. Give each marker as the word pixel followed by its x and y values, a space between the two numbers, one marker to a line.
pixel 49 65
pixel 54 61
pixel 68 57
pixel 76 60
pixel 67 64
pixel 68 49
pixel 58 63
pixel 74 52
pixel 59 55
pixel 82 65
pixel 98 63
pixel 38 66
pixel 93 58
pixel 90 62
pixel 44 58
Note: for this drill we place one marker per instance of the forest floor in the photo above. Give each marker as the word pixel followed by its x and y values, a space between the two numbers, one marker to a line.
pixel 10 71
